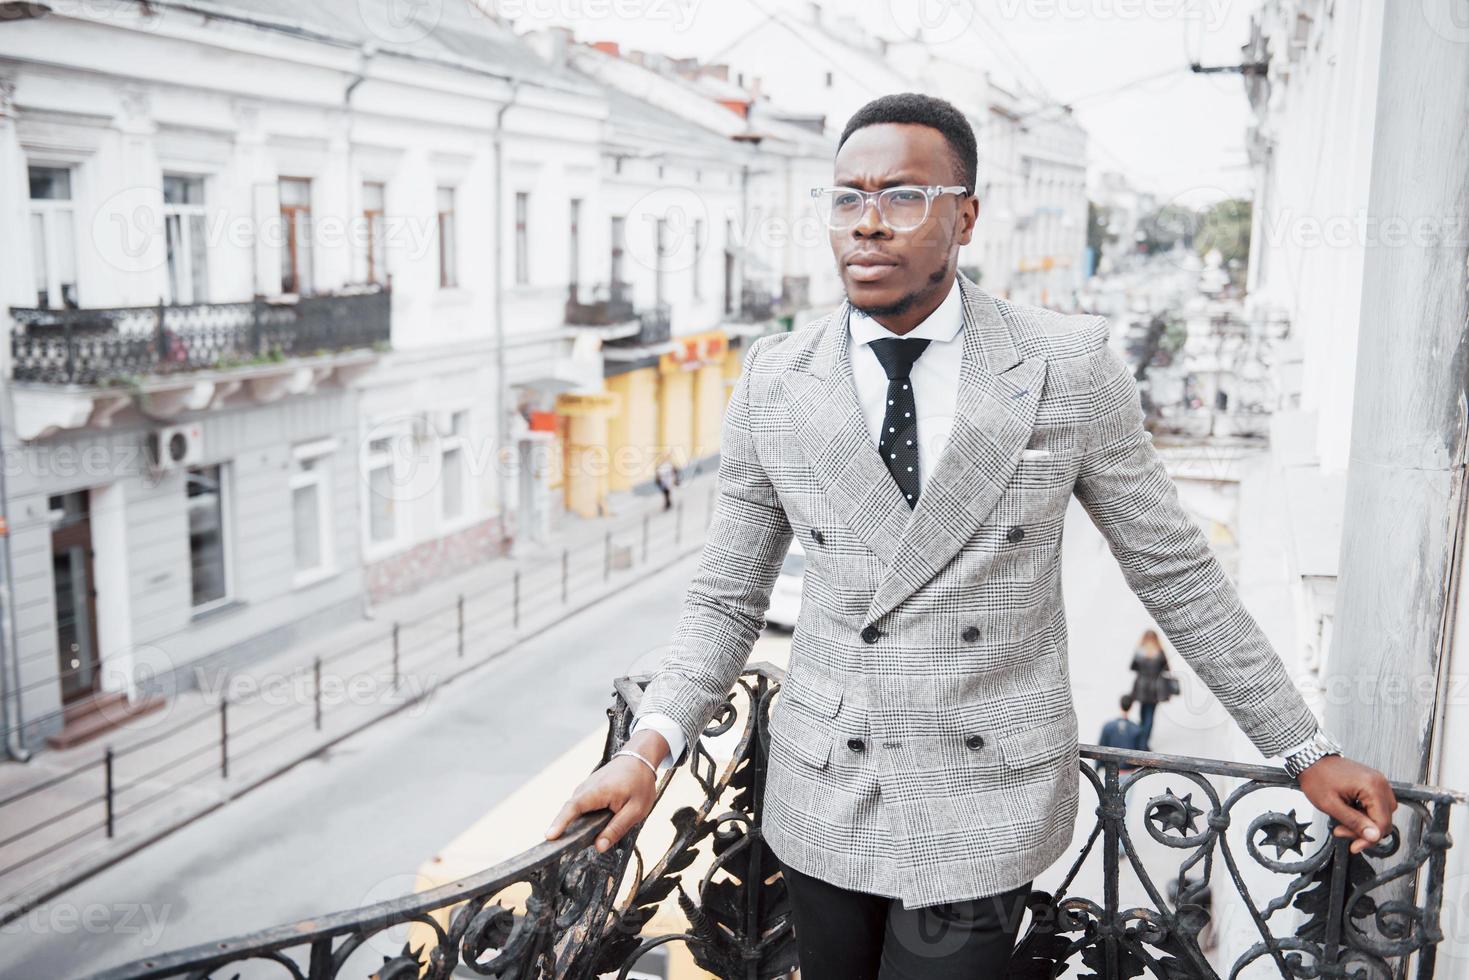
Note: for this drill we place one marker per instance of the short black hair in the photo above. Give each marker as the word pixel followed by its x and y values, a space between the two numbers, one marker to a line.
pixel 1127 702
pixel 924 110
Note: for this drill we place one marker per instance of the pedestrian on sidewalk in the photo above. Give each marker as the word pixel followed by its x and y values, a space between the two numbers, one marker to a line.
pixel 1122 733
pixel 1153 685
pixel 666 475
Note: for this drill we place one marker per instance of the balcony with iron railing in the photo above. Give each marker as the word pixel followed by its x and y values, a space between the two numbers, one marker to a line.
pixel 72 366
pixel 600 305
pixel 1194 835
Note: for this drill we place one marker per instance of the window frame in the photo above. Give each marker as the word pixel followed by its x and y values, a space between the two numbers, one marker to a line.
pixel 375 265
pixel 291 239
pixel 522 238
pixel 226 538
pixel 321 451
pixel 52 211
pixel 370 461
pixel 185 213
pixel 452 441
pixel 448 232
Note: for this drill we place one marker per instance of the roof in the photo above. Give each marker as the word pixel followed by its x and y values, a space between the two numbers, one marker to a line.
pixel 454 32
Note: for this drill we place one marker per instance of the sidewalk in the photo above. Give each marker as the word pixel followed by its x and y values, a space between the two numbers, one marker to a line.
pixel 172 766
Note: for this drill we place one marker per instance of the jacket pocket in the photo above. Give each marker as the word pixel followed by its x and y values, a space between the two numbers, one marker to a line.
pixel 1039 749
pixel 820 695
pixel 795 729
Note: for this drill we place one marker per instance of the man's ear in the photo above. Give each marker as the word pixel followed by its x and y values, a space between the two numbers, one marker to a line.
pixel 968 218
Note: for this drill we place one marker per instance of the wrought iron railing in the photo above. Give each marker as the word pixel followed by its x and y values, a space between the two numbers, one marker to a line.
pixel 585 914
pixel 118 345
pixel 601 305
pixel 756 303
pixel 795 294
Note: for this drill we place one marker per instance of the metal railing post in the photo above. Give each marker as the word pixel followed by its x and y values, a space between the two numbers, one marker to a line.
pixel 316 690
pixel 224 738
pixel 565 561
pixel 396 628
pixel 107 767
pixel 515 601
pixel 678 525
pixel 461 624
pixel 645 539
pixel 607 557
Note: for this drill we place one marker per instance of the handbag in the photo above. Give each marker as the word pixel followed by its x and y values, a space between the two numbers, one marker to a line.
pixel 1170 684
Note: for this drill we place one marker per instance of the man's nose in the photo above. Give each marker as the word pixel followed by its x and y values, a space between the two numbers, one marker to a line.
pixel 871 224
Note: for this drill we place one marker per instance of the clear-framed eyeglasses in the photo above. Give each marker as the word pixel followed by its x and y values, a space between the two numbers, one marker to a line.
pixel 901 208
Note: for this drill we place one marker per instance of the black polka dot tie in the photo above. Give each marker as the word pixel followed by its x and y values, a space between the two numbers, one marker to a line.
pixel 898 441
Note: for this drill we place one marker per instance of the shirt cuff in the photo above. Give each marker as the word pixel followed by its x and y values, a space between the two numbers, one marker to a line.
pixel 671 732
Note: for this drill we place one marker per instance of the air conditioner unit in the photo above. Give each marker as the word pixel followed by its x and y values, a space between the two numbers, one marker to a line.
pixel 175 446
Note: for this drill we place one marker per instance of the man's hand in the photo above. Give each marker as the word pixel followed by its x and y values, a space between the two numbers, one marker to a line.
pixel 1337 786
pixel 624 785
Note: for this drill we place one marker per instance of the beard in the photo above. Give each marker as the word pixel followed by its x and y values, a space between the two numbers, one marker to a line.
pixel 905 302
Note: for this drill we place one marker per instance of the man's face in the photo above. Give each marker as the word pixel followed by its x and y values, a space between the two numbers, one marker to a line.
pixel 886 271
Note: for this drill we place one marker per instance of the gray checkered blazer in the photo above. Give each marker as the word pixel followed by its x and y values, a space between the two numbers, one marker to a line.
pixel 924 744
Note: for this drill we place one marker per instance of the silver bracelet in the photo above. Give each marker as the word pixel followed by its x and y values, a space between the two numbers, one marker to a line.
pixel 638 756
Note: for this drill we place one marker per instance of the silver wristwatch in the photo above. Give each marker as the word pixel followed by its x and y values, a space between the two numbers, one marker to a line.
pixel 1320 746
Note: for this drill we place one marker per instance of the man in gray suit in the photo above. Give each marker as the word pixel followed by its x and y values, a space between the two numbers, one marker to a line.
pixel 923 441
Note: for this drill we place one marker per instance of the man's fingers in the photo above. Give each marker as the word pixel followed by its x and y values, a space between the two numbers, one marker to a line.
pixel 1350 817
pixel 627 815
pixel 578 804
pixel 1378 800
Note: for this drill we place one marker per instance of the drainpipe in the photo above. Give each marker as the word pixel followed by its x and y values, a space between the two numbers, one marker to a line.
pixel 501 428
pixel 9 651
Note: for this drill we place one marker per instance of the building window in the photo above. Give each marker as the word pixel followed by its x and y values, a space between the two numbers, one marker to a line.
pixel 382 485
pixel 183 223
pixel 208 570
pixel 698 258
pixel 522 238
pixel 53 237
pixel 311 509
pixel 618 227
pixel 453 473
pixel 448 251
pixel 574 245
pixel 374 198
pixel 296 246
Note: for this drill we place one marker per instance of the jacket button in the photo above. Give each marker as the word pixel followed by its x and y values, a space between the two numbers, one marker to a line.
pixel 856 745
pixel 870 634
pixel 817 536
pixel 970 634
pixel 974 741
pixel 1016 533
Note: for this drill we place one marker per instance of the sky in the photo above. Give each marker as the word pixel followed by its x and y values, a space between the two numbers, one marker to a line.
pixel 1121 63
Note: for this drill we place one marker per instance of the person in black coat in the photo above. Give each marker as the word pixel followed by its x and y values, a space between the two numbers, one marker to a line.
pixel 1154 683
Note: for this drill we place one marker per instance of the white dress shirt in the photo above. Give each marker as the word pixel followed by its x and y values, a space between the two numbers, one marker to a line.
pixel 935 378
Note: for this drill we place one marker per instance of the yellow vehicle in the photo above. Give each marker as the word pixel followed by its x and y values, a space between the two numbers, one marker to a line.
pixel 519 822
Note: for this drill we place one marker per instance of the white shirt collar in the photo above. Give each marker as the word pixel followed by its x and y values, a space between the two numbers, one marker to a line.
pixel 943 324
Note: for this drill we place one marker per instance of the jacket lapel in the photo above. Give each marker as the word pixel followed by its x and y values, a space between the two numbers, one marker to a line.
pixel 828 425
pixel 993 419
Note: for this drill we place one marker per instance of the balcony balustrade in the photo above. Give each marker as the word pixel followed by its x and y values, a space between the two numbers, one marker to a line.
pixel 100 347
pixel 562 910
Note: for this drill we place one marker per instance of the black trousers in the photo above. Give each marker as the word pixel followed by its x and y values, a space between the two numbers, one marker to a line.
pixel 850 935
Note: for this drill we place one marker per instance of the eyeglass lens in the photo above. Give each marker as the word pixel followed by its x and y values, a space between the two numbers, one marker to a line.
pixel 899 207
